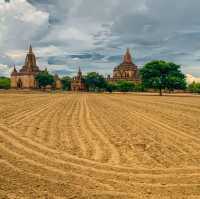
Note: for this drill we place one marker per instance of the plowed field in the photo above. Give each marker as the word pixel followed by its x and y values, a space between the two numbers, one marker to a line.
pixel 59 146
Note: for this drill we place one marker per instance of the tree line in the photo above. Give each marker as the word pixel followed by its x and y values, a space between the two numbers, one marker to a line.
pixel 156 75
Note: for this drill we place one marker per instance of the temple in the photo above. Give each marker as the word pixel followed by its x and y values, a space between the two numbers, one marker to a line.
pixel 25 78
pixel 127 70
pixel 78 83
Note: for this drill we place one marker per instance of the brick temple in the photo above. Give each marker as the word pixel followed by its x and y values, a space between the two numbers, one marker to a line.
pixel 127 70
pixel 25 78
pixel 78 83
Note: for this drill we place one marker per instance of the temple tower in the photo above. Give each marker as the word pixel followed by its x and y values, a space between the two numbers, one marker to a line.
pixel 25 77
pixel 78 83
pixel 127 70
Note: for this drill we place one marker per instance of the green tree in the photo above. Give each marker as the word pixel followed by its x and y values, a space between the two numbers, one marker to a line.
pixel 95 82
pixel 139 87
pixel 4 83
pixel 194 87
pixel 162 75
pixel 110 87
pixel 176 81
pixel 44 78
pixel 125 86
pixel 66 82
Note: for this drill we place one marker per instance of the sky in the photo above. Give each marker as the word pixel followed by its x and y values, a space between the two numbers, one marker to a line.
pixel 93 34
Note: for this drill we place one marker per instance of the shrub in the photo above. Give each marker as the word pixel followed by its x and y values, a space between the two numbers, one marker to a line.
pixel 125 86
pixel 4 83
pixel 66 83
pixel 44 79
pixel 194 87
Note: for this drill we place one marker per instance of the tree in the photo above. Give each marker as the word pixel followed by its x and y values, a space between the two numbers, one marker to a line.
pixel 194 87
pixel 125 86
pixel 44 78
pixel 66 82
pixel 176 82
pixel 110 87
pixel 95 82
pixel 139 87
pixel 4 83
pixel 162 75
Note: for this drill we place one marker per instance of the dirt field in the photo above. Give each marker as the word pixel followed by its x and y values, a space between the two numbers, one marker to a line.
pixel 61 146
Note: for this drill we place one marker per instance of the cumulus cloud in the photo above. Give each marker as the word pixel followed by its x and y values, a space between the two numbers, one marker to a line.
pixel 94 34
pixel 5 70
pixel 190 79
pixel 20 24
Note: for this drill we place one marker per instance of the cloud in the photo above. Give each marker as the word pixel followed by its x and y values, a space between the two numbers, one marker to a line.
pixel 94 34
pixel 190 79
pixel 5 70
pixel 20 23
pixel 63 72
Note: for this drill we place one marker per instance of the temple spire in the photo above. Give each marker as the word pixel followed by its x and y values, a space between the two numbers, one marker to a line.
pixel 127 57
pixel 30 49
pixel 79 72
pixel 14 72
pixel 14 69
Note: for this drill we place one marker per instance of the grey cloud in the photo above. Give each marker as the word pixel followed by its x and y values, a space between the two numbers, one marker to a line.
pixel 83 56
pixel 98 32
pixel 115 58
pixel 5 60
pixel 61 60
pixel 53 60
pixel 58 10
pixel 91 56
pixel 63 72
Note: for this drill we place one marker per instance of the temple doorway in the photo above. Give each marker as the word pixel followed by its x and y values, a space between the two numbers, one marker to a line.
pixel 19 84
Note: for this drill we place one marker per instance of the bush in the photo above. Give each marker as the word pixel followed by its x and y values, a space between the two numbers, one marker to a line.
pixel 139 88
pixel 66 83
pixel 95 82
pixel 110 87
pixel 125 86
pixel 4 83
pixel 194 88
pixel 44 79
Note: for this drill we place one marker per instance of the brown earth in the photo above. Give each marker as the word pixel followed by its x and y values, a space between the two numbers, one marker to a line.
pixel 60 146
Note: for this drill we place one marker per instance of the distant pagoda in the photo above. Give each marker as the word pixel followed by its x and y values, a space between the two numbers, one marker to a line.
pixel 127 70
pixel 78 83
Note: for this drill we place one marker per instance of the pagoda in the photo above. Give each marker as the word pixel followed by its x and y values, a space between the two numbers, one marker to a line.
pixel 127 70
pixel 25 77
pixel 78 83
